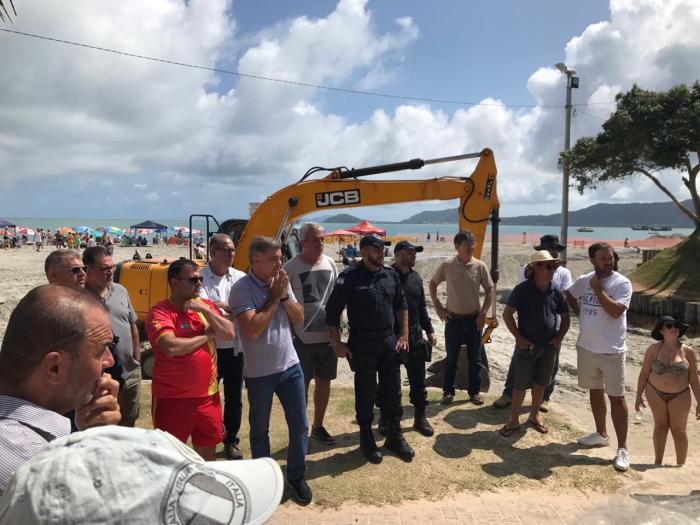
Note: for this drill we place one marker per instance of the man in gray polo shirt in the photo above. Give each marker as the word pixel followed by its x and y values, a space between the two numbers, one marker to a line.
pixel 263 305
pixel 100 269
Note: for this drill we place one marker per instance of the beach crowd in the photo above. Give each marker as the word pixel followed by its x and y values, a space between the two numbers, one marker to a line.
pixel 70 358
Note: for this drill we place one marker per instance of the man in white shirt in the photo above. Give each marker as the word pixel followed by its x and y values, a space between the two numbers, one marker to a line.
pixel 312 275
pixel 601 298
pixel 219 277
pixel 561 281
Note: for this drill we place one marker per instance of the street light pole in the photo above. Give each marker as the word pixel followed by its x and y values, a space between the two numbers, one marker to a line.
pixel 571 82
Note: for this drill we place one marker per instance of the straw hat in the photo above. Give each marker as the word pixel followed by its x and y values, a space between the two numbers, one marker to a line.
pixel 543 256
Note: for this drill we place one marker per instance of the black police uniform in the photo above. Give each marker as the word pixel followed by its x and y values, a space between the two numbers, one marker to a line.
pixel 373 299
pixel 418 321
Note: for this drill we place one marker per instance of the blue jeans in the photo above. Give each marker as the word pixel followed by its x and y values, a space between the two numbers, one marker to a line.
pixel 458 332
pixel 289 387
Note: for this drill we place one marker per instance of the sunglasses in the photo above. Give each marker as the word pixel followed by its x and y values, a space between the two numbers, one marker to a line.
pixel 669 326
pixel 78 269
pixel 105 269
pixel 192 280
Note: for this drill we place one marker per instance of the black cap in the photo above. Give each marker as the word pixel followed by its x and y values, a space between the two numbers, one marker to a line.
pixel 661 321
pixel 550 240
pixel 405 245
pixel 373 240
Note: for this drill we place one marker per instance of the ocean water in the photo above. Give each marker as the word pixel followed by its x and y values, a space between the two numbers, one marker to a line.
pixel 508 233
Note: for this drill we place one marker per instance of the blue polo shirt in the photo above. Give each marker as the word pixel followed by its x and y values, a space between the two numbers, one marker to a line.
pixel 273 352
pixel 537 310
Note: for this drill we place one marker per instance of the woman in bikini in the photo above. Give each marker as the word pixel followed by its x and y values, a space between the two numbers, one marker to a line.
pixel 669 372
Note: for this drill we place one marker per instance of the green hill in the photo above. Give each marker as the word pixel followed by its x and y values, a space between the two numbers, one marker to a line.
pixel 341 218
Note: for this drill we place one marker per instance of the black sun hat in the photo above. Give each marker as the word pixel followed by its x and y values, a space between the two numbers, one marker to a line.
pixel 661 321
pixel 549 240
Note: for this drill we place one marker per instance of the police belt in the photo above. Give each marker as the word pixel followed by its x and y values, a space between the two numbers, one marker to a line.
pixel 372 334
pixel 459 317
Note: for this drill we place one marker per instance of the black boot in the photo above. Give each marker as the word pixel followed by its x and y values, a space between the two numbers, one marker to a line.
pixel 420 423
pixel 382 426
pixel 368 446
pixel 396 442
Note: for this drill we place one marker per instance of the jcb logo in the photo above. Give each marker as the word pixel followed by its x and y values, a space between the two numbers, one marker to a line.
pixel 337 198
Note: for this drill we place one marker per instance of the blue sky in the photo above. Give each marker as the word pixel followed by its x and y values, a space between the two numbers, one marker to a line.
pixel 84 133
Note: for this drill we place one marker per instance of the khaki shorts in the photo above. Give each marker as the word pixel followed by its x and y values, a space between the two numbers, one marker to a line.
pixel 597 371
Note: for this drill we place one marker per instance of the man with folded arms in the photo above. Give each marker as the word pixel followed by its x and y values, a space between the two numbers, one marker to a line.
pixel 538 303
pixel 185 385
pixel 52 361
pixel 464 318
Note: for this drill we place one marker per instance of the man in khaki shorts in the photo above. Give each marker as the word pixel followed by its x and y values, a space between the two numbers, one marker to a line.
pixel 601 299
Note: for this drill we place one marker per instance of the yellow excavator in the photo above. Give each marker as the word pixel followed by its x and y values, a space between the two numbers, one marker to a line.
pixel 146 280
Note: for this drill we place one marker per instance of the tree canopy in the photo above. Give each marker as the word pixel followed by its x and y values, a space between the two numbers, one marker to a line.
pixel 650 131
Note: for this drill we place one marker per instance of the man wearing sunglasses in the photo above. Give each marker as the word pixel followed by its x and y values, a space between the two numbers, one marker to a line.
pixel 185 385
pixel 543 320
pixel 127 348
pixel 561 281
pixel 219 277
pixel 64 267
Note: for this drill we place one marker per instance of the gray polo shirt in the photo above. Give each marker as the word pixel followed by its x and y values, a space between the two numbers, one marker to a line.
pixel 121 316
pixel 273 351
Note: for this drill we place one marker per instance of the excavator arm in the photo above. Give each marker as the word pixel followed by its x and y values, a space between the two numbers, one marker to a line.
pixel 346 189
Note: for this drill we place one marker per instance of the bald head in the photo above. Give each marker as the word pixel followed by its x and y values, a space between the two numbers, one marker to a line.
pixel 49 318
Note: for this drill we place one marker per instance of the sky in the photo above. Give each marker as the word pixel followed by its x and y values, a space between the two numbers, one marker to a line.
pixel 85 133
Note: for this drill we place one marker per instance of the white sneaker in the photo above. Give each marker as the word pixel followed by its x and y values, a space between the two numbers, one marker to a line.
pixel 594 440
pixel 622 460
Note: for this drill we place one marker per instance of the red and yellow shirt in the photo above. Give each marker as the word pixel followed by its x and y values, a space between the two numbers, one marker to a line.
pixel 190 375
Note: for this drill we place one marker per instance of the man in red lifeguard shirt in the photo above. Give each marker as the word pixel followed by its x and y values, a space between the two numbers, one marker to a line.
pixel 185 388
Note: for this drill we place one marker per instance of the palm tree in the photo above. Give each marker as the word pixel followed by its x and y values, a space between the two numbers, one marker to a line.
pixel 4 14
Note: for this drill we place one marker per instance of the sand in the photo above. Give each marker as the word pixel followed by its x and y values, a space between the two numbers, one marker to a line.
pixel 22 269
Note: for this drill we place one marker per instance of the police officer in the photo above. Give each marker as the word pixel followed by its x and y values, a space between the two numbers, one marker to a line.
pixel 418 320
pixel 374 298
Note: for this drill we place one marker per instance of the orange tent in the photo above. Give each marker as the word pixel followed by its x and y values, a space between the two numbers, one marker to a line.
pixel 365 228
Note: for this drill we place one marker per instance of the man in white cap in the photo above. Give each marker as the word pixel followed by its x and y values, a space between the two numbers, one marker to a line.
pixel 133 475
pixel 538 304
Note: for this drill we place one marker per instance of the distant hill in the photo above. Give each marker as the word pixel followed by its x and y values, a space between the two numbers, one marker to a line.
pixel 342 217
pixel 611 215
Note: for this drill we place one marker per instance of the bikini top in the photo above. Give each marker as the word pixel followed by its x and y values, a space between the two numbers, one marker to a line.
pixel 679 368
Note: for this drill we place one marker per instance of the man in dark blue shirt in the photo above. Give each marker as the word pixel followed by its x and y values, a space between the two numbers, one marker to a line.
pixel 419 350
pixel 537 340
pixel 374 299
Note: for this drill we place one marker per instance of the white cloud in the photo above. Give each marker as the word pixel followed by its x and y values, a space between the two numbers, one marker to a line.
pixel 75 114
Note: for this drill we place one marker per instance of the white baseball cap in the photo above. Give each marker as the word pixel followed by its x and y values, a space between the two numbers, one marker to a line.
pixel 115 474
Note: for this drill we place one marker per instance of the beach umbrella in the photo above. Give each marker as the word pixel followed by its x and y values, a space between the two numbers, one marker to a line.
pixel 365 228
pixel 64 229
pixel 6 224
pixel 82 229
pixel 23 230
pixel 144 231
pixel 340 233
pixel 3 232
pixel 112 229
pixel 182 229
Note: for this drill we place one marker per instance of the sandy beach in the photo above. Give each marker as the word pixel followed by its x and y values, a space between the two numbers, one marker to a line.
pixel 22 269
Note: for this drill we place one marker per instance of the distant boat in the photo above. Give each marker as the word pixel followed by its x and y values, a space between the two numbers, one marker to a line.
pixel 584 229
pixel 662 228
pixel 639 228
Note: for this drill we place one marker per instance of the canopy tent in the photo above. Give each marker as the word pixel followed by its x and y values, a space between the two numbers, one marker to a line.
pixel 6 224
pixel 340 234
pixel 365 228
pixel 150 225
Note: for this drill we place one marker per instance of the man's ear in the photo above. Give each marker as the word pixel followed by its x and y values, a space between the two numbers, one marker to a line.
pixel 54 367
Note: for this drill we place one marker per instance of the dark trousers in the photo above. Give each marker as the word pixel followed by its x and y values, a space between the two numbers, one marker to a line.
pixel 372 358
pixel 415 368
pixel 508 388
pixel 231 371
pixel 458 332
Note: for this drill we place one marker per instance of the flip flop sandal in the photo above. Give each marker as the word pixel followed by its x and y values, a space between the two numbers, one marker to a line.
pixel 507 431
pixel 540 427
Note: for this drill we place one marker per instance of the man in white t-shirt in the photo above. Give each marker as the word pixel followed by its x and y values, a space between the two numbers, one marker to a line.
pixel 219 277
pixel 312 275
pixel 561 281
pixel 601 299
